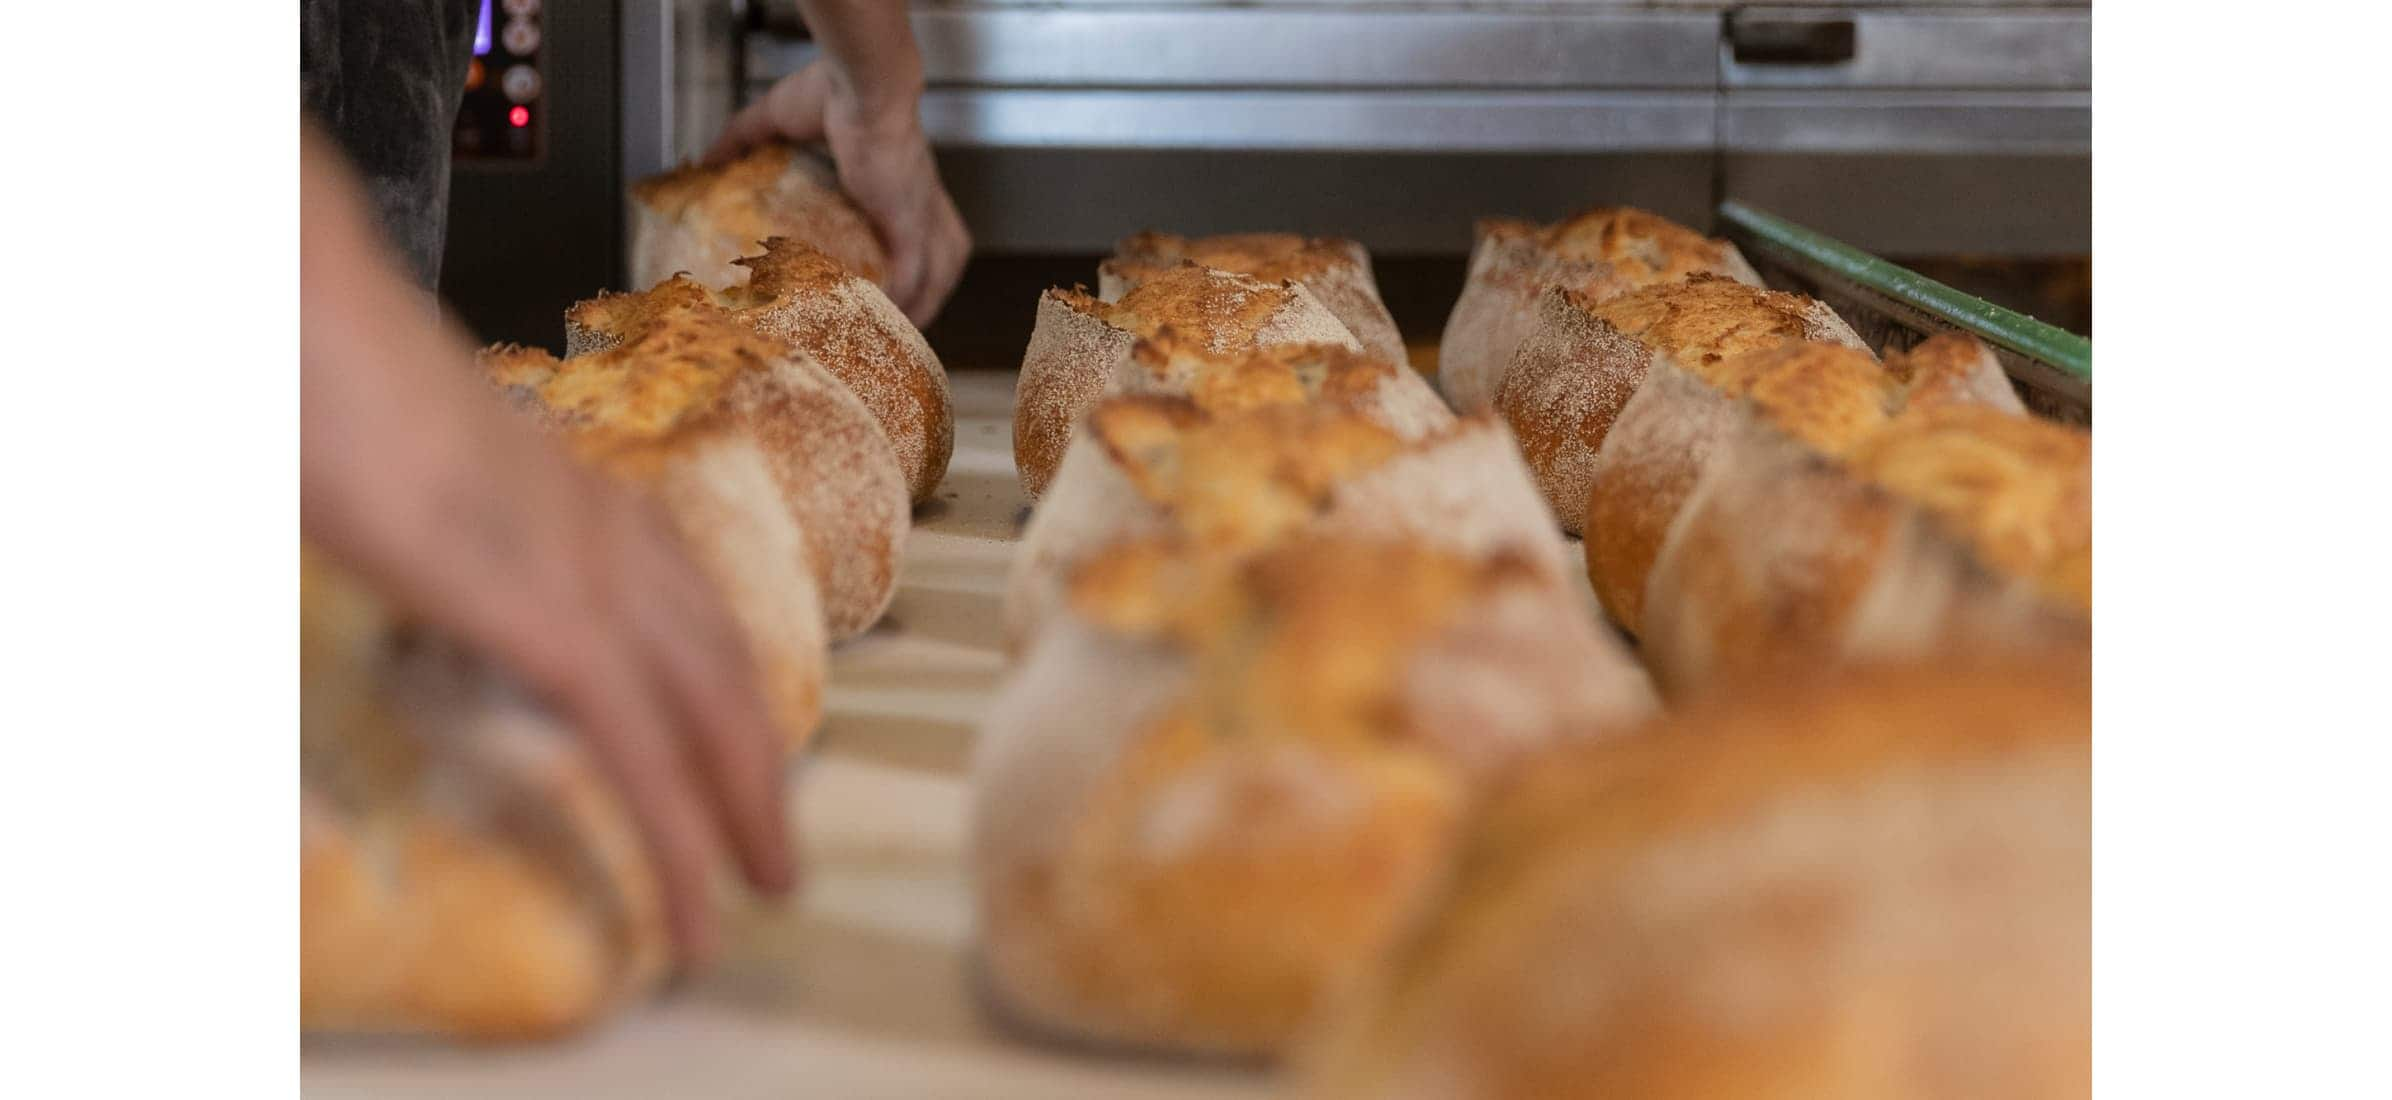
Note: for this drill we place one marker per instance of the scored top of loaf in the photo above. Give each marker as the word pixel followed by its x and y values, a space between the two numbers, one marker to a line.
pixel 1274 374
pixel 659 378
pixel 771 190
pixel 1219 310
pixel 1707 319
pixel 1638 246
pixel 2018 490
pixel 1238 481
pixel 1267 256
pixel 1311 635
pixel 1826 395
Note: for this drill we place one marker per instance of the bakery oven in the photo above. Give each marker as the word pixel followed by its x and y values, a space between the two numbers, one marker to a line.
pixel 1956 138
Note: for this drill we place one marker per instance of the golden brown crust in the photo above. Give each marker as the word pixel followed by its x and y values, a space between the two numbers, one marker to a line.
pixel 1764 896
pixel 1268 256
pixel 1597 255
pixel 1251 839
pixel 699 219
pixel 1080 345
pixel 1825 394
pixel 2017 490
pixel 1705 320
pixel 807 301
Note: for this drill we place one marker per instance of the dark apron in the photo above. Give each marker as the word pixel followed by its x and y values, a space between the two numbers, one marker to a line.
pixel 385 79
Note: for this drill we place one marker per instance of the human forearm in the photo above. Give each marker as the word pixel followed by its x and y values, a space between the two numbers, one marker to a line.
pixel 870 47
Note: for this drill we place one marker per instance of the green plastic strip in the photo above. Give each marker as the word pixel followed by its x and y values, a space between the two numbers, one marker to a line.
pixel 2016 332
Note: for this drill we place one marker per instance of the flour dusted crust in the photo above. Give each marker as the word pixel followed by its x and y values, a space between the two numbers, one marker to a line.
pixel 1600 254
pixel 800 296
pixel 699 221
pixel 1079 345
pixel 1331 374
pixel 1952 525
pixel 718 490
pixel 1337 271
pixel 1874 886
pixel 838 476
pixel 1235 482
pixel 1214 787
pixel 464 869
pixel 1583 360
pixel 1665 435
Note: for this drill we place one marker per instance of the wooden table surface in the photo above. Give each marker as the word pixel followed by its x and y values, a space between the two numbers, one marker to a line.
pixel 858 989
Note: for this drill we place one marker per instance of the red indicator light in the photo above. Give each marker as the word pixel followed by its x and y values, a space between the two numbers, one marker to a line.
pixel 520 116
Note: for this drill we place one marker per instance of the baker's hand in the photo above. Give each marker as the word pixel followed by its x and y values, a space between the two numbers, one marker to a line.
pixel 884 164
pixel 415 477
pixel 581 590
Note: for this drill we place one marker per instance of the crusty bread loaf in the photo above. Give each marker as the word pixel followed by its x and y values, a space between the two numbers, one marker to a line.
pixel 1079 345
pixel 699 221
pixel 1582 361
pixel 834 467
pixel 464 869
pixel 1600 254
pixel 1829 395
pixel 1213 785
pixel 1337 271
pixel 1954 525
pixel 1876 886
pixel 1235 482
pixel 801 296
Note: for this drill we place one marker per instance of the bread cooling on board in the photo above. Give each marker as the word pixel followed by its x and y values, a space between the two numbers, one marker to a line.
pixel 1954 525
pixel 1875 884
pixel 1215 784
pixel 1583 361
pixel 464 868
pixel 1335 270
pixel 836 473
pixel 1598 254
pixel 800 296
pixel 699 221
pixel 1235 481
pixel 1080 345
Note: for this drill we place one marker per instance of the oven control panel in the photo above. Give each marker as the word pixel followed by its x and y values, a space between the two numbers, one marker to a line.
pixel 505 115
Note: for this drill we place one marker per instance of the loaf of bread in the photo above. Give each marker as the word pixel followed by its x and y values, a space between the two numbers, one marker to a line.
pixel 1599 254
pixel 1829 395
pixel 699 221
pixel 1581 362
pixel 1080 344
pixel 1955 525
pixel 1874 886
pixel 1236 481
pixel 1335 270
pixel 464 869
pixel 1213 786
pixel 801 296
pixel 838 477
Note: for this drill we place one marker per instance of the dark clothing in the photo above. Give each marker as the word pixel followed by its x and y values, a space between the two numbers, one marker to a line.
pixel 385 78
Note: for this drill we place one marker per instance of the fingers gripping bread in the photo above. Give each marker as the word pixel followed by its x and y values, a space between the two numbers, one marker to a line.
pixel 1335 270
pixel 801 297
pixel 1600 254
pixel 1872 886
pixel 1080 346
pixel 1212 787
pixel 699 221
pixel 464 869
pixel 839 480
